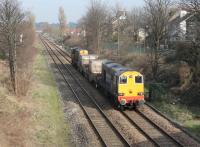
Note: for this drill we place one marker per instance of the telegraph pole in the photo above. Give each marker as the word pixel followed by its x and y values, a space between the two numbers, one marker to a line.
pixel 117 21
pixel 121 17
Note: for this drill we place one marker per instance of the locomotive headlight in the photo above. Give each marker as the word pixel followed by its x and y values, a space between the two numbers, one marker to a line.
pixel 141 93
pixel 123 101
pixel 121 94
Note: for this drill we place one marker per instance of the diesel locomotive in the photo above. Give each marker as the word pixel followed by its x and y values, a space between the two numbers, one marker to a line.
pixel 123 85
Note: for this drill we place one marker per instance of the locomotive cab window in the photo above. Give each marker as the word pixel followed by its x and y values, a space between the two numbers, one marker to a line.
pixel 123 80
pixel 138 79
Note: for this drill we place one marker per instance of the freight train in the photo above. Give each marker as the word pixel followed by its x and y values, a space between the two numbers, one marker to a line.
pixel 123 85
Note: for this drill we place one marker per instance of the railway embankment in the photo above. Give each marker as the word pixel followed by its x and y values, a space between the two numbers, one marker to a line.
pixel 37 118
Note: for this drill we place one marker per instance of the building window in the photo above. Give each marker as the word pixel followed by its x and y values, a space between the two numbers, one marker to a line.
pixel 123 80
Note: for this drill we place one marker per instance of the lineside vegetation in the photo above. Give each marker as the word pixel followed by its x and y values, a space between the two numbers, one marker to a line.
pixel 30 111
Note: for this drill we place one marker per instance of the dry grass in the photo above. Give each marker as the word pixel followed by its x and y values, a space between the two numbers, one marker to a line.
pixel 26 56
pixel 23 81
pixel 14 114
pixel 34 120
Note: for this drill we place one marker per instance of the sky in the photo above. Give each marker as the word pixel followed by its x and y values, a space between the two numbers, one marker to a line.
pixel 47 10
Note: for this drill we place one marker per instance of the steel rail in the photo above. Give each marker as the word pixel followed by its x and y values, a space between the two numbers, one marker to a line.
pixel 82 107
pixel 159 128
pixel 173 122
pixel 63 53
pixel 99 109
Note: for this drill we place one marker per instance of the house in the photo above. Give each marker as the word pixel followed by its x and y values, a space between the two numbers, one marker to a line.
pixel 182 26
pixel 192 28
pixel 74 31
pixel 177 26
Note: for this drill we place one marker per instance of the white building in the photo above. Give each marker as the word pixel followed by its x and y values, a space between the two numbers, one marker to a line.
pixel 178 26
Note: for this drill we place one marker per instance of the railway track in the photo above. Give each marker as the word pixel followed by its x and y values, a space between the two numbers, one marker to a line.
pixel 146 126
pixel 170 127
pixel 173 122
pixel 151 130
pixel 101 124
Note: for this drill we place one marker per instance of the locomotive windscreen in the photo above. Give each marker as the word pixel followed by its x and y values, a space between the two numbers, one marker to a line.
pixel 123 80
pixel 138 79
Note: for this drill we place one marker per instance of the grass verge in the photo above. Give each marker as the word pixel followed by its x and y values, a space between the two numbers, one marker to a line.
pixel 51 129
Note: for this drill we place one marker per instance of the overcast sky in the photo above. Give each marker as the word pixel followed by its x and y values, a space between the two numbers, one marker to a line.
pixel 47 10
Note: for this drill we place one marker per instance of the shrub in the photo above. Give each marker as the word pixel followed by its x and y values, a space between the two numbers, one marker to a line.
pixel 23 81
pixel 25 55
pixel 169 77
pixel 157 91
pixel 191 96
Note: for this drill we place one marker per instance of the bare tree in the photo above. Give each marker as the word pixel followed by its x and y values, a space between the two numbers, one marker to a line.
pixel 157 15
pixel 115 10
pixel 25 54
pixel 134 18
pixel 62 21
pixel 191 5
pixel 95 23
pixel 11 17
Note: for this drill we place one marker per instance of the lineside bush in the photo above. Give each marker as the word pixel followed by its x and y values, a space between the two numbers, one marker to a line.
pixel 25 55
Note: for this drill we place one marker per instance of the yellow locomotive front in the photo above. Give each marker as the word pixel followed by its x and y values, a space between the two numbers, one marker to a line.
pixel 125 86
pixel 131 88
